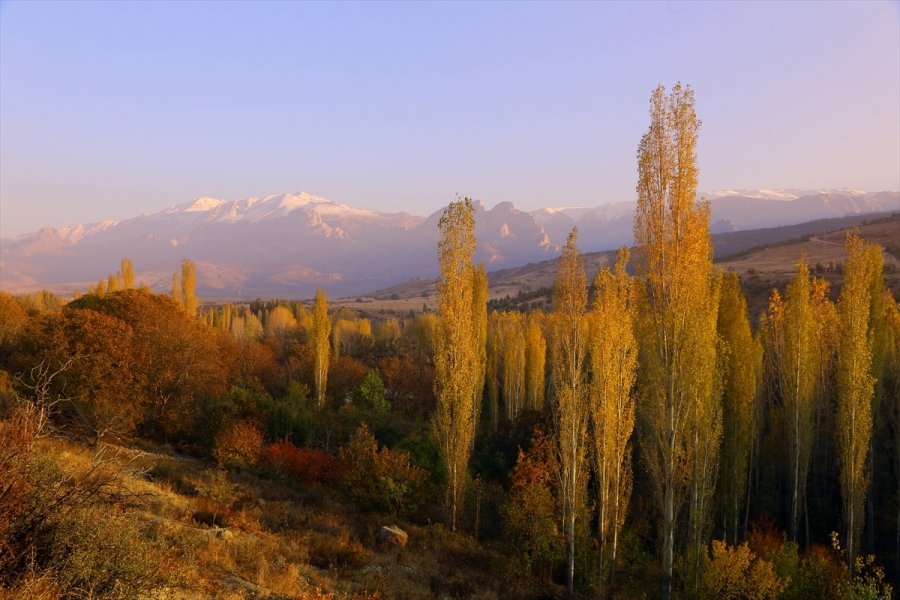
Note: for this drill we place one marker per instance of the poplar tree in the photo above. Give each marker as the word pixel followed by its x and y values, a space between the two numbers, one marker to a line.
pixel 740 364
pixel 492 370
pixel 855 384
pixel 112 283
pixel 568 350
pixel 177 296
pixel 791 356
pixel 512 358
pixel 680 424
pixel 613 361
pixel 535 361
pixel 456 358
pixel 479 339
pixel 318 339
pixel 127 271
pixel 188 286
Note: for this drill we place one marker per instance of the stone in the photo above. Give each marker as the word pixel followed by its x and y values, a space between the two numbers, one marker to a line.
pixel 391 535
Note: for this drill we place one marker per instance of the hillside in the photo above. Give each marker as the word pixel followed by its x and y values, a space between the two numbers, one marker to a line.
pixel 765 258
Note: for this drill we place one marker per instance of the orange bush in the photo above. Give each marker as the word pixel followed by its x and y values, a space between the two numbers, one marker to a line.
pixel 305 465
pixel 239 445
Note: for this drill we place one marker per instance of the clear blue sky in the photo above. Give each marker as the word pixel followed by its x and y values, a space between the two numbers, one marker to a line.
pixel 114 109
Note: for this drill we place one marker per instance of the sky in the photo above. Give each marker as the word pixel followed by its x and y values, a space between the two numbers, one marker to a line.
pixel 115 109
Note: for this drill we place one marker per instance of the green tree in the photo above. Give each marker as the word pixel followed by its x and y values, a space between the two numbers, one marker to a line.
pixel 740 366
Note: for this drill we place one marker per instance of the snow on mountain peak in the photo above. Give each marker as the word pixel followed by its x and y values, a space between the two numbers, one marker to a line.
pixel 204 204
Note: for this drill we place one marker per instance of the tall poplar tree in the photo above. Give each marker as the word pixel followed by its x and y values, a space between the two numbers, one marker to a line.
pixel 318 339
pixel 511 332
pixel 791 356
pixel 568 351
pixel 479 338
pixel 679 297
pixel 855 384
pixel 456 358
pixel 740 360
pixel 188 286
pixel 535 361
pixel 613 361
pixel 127 271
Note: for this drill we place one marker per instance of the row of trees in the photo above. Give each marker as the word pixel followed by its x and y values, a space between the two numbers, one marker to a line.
pixel 670 354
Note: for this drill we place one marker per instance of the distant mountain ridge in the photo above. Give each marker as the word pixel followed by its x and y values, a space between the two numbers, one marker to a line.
pixel 289 244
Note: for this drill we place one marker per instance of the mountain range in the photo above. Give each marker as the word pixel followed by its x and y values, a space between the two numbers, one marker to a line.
pixel 287 245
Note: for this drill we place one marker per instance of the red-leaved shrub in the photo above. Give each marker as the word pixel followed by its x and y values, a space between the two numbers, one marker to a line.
pixel 304 465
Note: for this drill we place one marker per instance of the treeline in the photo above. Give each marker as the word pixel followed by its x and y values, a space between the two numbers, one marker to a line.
pixel 641 436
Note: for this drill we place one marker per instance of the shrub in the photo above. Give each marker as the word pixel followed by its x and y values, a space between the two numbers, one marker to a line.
pixel 304 465
pixel 326 552
pixel 370 393
pixel 239 445
pixel 98 553
pixel 735 572
pixel 380 479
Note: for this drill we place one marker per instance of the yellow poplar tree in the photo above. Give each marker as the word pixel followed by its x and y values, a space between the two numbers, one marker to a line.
pixel 127 271
pixel 613 361
pixel 855 384
pixel 188 286
pixel 492 370
pixel 512 356
pixel 456 358
pixel 568 351
pixel 479 338
pixel 740 360
pixel 680 424
pixel 113 283
pixel 791 355
pixel 535 361
pixel 320 331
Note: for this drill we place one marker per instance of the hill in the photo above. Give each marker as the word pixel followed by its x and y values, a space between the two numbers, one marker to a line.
pixel 765 258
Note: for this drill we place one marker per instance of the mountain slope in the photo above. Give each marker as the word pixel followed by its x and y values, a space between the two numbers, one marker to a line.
pixel 290 244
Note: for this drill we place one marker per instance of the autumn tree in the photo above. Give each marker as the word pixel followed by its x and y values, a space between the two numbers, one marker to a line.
pixel 318 339
pixel 791 357
pixel 188 286
pixel 613 364
pixel 511 334
pixel 102 379
pixel 127 273
pixel 479 338
pixel 529 516
pixel 492 368
pixel 740 366
pixel 680 423
pixel 456 358
pixel 855 384
pixel 535 361
pixel 568 352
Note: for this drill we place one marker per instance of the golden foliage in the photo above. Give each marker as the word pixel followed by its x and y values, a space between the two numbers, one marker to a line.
pixel 318 339
pixel 613 361
pixel 456 358
pixel 736 573
pixel 568 352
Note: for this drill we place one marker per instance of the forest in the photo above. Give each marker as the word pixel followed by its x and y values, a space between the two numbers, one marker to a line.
pixel 643 437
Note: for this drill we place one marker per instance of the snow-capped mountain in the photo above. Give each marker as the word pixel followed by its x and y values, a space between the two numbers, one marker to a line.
pixel 290 244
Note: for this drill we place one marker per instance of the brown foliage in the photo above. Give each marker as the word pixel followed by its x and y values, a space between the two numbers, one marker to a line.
pixel 239 445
